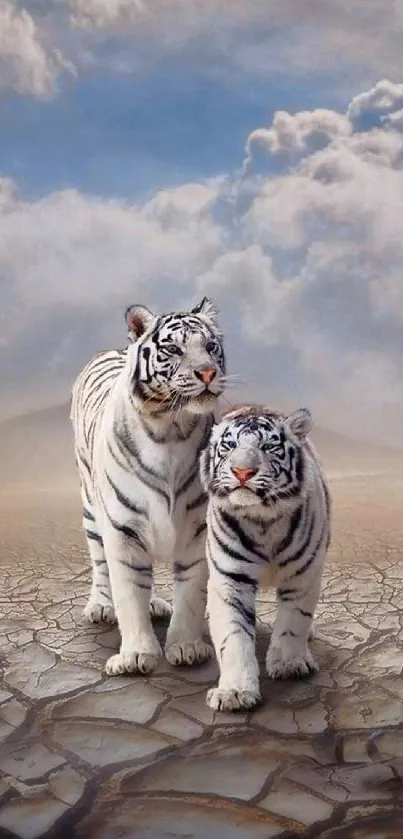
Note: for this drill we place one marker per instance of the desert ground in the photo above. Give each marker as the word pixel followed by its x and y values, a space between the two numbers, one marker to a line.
pixel 83 756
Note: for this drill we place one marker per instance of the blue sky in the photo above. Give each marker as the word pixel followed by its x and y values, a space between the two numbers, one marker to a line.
pixel 157 151
pixel 131 134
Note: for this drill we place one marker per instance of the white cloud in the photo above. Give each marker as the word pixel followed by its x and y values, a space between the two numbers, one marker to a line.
pixel 381 101
pixel 40 41
pixel 261 36
pixel 28 64
pixel 305 264
pixel 297 132
pixel 320 269
pixel 69 252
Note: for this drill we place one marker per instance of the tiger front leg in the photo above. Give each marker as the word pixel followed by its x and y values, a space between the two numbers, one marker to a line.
pixel 130 570
pixel 232 616
pixel 289 656
pixel 185 643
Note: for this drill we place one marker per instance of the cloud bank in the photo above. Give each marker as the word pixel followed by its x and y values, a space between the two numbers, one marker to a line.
pixel 305 262
pixel 42 42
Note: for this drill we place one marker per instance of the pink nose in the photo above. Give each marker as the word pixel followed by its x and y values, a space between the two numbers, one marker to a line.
pixel 206 375
pixel 243 475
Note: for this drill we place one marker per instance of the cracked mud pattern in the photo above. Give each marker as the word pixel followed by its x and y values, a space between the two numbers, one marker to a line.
pixel 83 756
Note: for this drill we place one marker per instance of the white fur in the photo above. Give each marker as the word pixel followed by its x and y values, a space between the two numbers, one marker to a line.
pixel 250 545
pixel 143 502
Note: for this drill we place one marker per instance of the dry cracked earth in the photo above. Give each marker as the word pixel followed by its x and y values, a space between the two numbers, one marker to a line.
pixel 83 756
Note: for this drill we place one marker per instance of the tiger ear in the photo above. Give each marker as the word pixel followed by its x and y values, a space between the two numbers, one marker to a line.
pixel 138 320
pixel 206 310
pixel 299 423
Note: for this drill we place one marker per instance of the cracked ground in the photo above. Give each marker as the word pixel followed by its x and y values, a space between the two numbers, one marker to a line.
pixel 84 756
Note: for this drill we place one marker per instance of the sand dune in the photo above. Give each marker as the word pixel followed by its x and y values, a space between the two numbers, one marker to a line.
pixel 37 449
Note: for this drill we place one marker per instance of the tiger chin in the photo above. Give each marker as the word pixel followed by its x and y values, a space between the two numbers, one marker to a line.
pixel 141 415
pixel 268 521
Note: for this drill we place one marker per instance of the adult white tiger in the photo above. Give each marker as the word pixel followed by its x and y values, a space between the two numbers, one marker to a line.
pixel 141 417
pixel 268 522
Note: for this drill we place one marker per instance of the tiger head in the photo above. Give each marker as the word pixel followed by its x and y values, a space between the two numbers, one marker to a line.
pixel 257 457
pixel 177 360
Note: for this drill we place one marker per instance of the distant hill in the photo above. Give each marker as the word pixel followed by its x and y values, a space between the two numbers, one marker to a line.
pixel 37 448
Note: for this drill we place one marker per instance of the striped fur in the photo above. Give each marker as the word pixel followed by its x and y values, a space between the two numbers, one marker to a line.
pixel 141 417
pixel 268 523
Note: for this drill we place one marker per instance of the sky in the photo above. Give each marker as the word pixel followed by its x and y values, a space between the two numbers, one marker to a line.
pixel 155 151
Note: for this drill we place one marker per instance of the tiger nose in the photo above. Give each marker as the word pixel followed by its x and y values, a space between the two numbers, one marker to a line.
pixel 243 474
pixel 206 375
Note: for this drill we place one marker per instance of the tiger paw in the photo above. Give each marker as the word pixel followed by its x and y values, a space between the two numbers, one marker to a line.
pixel 132 662
pixel 99 612
pixel 160 609
pixel 296 666
pixel 188 652
pixel 312 631
pixel 220 699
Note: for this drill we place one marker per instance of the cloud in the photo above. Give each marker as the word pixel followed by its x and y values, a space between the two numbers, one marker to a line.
pixel 73 263
pixel 304 260
pixel 377 104
pixel 319 273
pixel 260 36
pixel 28 64
pixel 42 41
pixel 298 132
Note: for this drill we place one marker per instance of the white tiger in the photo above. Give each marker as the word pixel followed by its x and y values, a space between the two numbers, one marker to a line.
pixel 141 417
pixel 268 522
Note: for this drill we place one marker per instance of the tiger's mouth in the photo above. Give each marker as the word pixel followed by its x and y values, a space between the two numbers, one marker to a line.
pixel 204 395
pixel 244 496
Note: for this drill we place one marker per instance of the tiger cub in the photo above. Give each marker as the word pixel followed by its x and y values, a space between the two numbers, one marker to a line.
pixel 268 523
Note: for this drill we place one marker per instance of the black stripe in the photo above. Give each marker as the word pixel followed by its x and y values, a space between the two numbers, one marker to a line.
pixel 98 381
pixel 141 569
pixel 237 577
pixel 124 464
pixel 178 567
pixel 284 594
pixel 95 536
pixel 244 539
pixel 124 500
pixel 127 531
pixel 128 444
pixel 228 550
pixel 200 529
pixel 295 521
pixel 301 550
pixel 249 632
pixel 197 502
pixel 249 615
pixel 230 634
pixel 129 469
pixel 312 557
pixel 304 613
pixel 191 477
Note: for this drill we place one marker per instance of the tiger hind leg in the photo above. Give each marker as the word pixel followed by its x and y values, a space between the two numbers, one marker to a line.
pixel 99 608
pixel 185 644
